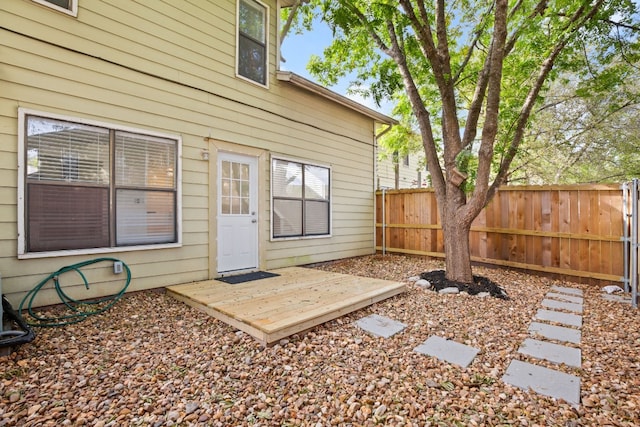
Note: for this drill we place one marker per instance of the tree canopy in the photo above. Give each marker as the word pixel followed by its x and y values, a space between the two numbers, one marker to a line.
pixel 577 137
pixel 473 72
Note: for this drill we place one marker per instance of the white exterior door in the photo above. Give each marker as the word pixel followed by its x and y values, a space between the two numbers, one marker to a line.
pixel 237 212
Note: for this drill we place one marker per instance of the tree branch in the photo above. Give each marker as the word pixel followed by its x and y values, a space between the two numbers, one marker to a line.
pixel 578 20
pixel 490 127
pixel 622 25
pixel 422 115
pixel 439 60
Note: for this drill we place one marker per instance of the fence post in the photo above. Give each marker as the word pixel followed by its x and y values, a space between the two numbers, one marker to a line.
pixel 635 202
pixel 626 242
pixel 384 224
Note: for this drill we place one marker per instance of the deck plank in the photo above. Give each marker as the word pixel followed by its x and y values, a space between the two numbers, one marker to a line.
pixel 273 308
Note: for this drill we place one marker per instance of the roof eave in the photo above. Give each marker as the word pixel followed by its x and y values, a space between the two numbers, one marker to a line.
pixel 301 82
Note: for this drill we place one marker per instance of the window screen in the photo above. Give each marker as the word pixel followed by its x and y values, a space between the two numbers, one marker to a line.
pixel 301 202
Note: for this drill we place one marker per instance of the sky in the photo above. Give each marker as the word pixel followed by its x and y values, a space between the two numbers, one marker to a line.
pixel 297 49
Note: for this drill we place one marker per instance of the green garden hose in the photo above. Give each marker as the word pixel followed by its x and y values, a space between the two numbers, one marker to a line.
pixel 80 310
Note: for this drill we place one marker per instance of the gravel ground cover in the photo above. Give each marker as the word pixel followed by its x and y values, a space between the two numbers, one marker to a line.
pixel 154 361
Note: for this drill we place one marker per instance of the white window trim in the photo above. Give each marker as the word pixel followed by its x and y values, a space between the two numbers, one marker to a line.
pixel 304 162
pixel 22 253
pixel 73 11
pixel 266 38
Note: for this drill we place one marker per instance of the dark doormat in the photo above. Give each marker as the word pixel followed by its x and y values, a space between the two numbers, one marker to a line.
pixel 248 277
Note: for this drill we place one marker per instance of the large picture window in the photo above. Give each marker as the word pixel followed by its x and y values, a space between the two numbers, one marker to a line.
pixel 252 40
pixel 91 186
pixel 300 199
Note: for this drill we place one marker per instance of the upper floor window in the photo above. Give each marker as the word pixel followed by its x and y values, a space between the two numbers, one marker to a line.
pixel 252 56
pixel 66 6
pixel 88 186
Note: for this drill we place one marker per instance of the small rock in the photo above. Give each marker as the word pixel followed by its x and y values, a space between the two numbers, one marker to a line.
pixel 413 278
pixel 33 409
pixel 483 294
pixel 14 397
pixel 173 415
pixel 424 284
pixel 191 407
pixel 450 290
pixel 380 410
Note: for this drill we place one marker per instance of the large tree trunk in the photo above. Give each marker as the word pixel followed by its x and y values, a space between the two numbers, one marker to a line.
pixel 456 250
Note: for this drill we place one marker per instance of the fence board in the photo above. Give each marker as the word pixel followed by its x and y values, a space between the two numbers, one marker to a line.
pixel 570 231
pixel 564 219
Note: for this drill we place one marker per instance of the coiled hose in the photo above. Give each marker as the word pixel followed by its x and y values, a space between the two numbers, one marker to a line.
pixel 80 310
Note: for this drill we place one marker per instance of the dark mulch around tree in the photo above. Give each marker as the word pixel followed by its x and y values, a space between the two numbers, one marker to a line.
pixel 481 284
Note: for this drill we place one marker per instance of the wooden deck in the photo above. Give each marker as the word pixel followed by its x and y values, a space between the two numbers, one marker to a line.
pixel 277 307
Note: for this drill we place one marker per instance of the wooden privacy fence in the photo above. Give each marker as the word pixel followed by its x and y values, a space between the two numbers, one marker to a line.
pixel 572 231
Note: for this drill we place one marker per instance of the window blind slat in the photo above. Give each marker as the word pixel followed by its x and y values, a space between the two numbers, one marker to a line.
pixel 144 217
pixel 144 161
pixel 64 151
pixel 316 218
pixel 287 179
pixel 65 217
pixel 287 218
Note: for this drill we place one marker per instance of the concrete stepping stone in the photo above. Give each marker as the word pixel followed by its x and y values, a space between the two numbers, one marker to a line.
pixel 562 305
pixel 545 381
pixel 625 299
pixel 565 290
pixel 568 319
pixel 554 332
pixel 448 351
pixel 380 326
pixel 563 297
pixel 555 353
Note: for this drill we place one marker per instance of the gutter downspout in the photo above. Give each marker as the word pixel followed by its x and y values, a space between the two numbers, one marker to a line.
pixel 375 180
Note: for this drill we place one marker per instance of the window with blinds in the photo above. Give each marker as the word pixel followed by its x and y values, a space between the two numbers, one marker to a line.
pixel 94 187
pixel 300 199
